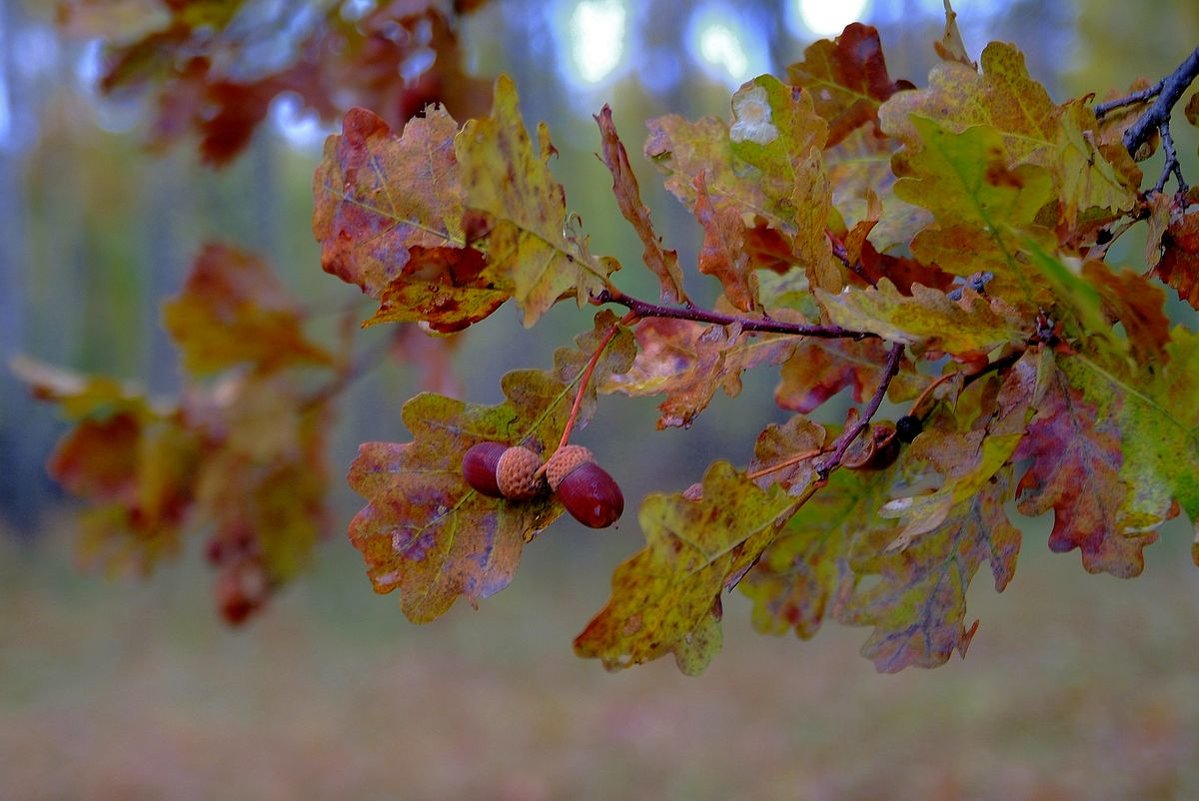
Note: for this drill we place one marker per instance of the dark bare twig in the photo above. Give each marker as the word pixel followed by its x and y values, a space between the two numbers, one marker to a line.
pixel 1002 363
pixel 1101 109
pixel 842 255
pixel 1157 117
pixel 841 445
pixel 644 308
pixel 1171 165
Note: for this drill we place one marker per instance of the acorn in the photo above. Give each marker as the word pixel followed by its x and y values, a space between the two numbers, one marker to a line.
pixel 500 471
pixel 908 427
pixel 478 467
pixel 586 490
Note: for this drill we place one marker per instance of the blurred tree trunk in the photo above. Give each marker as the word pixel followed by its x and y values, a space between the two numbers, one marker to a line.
pixel 23 428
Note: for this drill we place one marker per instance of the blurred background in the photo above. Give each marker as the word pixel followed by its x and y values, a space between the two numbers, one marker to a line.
pixel 1076 686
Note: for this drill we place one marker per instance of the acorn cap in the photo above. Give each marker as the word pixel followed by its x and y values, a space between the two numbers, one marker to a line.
pixel 564 460
pixel 516 474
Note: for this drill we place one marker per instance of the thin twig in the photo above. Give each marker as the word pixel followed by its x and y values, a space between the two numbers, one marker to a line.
pixel 1002 363
pixel 842 255
pixel 929 391
pixel 644 309
pixel 788 462
pixel 1102 109
pixel 1171 165
pixel 585 379
pixel 362 364
pixel 894 356
pixel 1158 114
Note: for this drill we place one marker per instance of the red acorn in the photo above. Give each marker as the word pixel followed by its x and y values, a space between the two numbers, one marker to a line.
pixel 478 467
pixel 586 490
pixel 499 471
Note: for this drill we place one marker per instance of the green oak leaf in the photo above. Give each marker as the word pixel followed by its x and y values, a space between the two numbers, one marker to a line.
pixel 927 318
pixel 1114 446
pixel 918 606
pixel 530 242
pixel 663 595
pixel 804 575
pixel 983 209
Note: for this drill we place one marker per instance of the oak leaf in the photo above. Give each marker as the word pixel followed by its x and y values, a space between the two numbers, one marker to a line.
pixel 424 531
pixel 530 244
pixel 816 370
pixel 389 216
pixel 983 210
pixel 1134 435
pixel 688 362
pixel 848 80
pixel 1179 264
pixel 663 263
pixel 1032 129
pixel 132 459
pixel 785 454
pixel 765 164
pixel 662 596
pixel 918 606
pixel 804 575
pixel 1076 471
pixel 927 319
pixel 232 310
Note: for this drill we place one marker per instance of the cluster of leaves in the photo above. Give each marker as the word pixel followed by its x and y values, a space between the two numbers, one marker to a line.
pixel 217 66
pixel 240 452
pixel 943 246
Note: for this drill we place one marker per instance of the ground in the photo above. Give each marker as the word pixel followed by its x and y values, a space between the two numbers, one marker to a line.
pixel 1076 687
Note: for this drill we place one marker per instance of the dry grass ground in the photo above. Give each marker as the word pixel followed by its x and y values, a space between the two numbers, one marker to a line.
pixel 1076 687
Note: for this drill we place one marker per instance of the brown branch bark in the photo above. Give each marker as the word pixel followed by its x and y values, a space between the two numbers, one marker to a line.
pixel 642 308
pixel 842 443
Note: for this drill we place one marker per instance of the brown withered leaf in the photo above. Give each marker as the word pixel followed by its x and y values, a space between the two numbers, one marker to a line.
pixel 688 361
pixel 386 209
pixel 848 80
pixel 901 271
pixel 777 451
pixel 448 289
pixel 816 370
pixel 233 310
pixel 1179 264
pixel 950 46
pixel 724 253
pixel 663 263
pixel 1139 305
pixel 765 167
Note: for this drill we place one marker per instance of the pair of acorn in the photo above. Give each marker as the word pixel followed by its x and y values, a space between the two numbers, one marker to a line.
pixel 515 472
